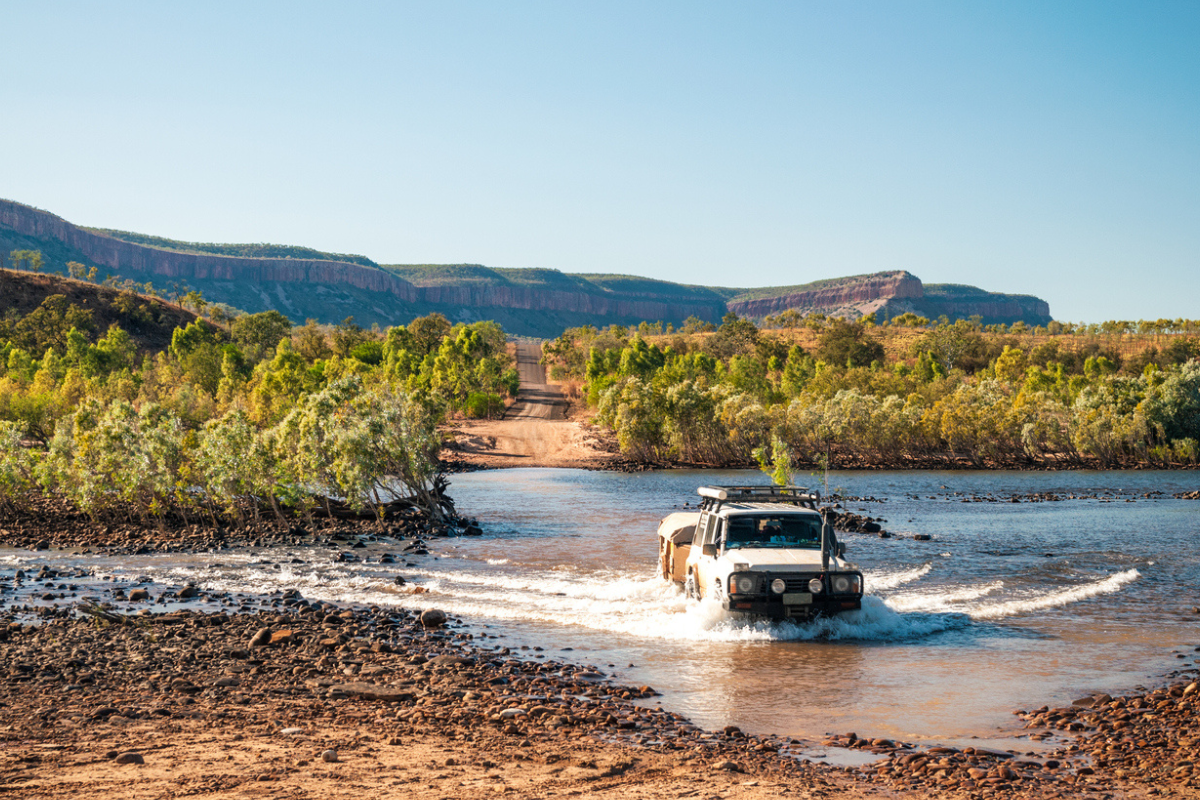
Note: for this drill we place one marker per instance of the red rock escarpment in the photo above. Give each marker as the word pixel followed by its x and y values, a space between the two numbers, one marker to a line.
pixel 119 255
pixel 128 257
pixel 993 307
pixel 852 291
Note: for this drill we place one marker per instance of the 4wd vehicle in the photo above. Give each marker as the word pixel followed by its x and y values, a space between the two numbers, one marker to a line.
pixel 760 550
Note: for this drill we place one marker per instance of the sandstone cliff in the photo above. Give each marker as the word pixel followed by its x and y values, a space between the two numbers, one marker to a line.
pixel 966 301
pixel 122 257
pixel 211 272
pixel 889 294
pixel 529 302
pixel 856 292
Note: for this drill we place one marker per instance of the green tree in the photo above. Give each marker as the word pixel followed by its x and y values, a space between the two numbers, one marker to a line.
pixel 30 260
pixel 776 463
pixel 257 335
pixel 847 343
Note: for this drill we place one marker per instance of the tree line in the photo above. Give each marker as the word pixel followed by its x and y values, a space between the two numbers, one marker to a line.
pixel 235 420
pixel 958 394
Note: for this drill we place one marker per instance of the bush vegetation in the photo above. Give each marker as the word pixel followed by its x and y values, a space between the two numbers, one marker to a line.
pixel 955 393
pixel 254 417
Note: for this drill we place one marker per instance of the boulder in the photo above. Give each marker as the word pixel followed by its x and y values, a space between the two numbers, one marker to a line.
pixel 433 618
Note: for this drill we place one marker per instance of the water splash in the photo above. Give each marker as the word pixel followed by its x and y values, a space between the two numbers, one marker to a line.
pixel 882 581
pixel 1062 597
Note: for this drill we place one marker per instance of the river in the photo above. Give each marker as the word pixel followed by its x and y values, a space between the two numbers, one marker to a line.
pixel 1009 605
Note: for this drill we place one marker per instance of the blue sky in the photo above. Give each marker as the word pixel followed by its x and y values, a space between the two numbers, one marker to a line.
pixel 1048 148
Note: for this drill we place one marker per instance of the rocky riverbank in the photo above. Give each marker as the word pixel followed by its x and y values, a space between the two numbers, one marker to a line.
pixel 296 688
pixel 160 691
pixel 52 523
pixel 117 692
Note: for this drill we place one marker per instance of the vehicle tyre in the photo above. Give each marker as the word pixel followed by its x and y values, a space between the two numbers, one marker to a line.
pixel 689 587
pixel 717 592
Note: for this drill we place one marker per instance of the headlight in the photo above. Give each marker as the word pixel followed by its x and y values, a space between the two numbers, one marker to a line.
pixel 745 585
pixel 779 586
pixel 815 586
pixel 847 584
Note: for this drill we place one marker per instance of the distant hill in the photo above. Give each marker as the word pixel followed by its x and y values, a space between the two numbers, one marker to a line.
pixel 306 283
pixel 239 250
pixel 890 294
pixel 148 320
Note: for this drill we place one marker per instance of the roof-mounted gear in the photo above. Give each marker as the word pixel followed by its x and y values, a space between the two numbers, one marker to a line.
pixel 716 496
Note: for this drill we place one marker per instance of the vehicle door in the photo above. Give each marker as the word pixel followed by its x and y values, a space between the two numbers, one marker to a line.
pixel 706 568
pixel 694 553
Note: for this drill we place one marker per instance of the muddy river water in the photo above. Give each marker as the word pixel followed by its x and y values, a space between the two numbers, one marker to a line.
pixel 1009 605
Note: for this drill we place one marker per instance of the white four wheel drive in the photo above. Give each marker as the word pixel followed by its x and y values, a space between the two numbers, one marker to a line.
pixel 760 550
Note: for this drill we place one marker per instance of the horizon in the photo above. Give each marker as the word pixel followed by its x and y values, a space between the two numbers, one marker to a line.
pixel 1022 149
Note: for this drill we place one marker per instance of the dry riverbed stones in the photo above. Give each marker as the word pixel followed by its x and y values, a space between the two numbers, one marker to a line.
pixel 280 671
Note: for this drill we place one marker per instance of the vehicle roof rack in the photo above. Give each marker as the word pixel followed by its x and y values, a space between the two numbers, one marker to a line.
pixel 716 496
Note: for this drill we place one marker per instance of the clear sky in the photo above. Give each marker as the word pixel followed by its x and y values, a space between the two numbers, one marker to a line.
pixel 1048 148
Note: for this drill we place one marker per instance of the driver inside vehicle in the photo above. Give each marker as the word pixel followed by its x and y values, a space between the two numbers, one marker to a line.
pixel 771 532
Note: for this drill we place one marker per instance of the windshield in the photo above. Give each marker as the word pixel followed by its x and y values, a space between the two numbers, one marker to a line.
pixel 778 530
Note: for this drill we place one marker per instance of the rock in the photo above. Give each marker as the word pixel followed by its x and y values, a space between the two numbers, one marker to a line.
pixel 451 660
pixel 130 758
pixel 188 592
pixel 281 637
pixel 262 638
pixel 369 691
pixel 138 595
pixel 729 766
pixel 513 713
pixel 44 544
pixel 922 537
pixel 330 756
pixel 433 618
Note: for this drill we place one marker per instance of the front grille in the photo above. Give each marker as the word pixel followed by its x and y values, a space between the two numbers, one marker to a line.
pixel 798 584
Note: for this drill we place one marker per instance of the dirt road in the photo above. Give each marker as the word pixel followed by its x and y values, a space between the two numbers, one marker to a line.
pixel 537 399
pixel 534 432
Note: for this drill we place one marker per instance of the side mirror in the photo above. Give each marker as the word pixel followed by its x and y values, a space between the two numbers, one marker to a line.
pixel 708 549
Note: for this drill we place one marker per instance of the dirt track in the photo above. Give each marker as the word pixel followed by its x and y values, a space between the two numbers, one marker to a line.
pixel 534 432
